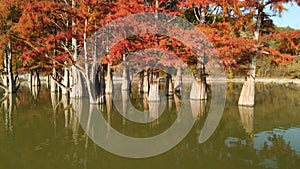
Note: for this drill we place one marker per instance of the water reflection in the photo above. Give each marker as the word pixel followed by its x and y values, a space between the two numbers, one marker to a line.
pixel 198 108
pixel 247 118
pixel 264 137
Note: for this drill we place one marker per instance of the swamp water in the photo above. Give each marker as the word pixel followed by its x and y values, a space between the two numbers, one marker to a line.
pixel 39 130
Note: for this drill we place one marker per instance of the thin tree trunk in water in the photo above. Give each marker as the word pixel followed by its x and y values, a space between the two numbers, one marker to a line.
pixel 126 78
pixel 76 81
pixel 91 67
pixel 35 78
pixel 146 82
pixel 247 97
pixel 178 81
pixel 199 86
pixel 35 91
pixel 101 80
pixel 169 85
pixel 141 81
pixel 154 94
pixel 109 81
pixel 53 84
pixel 5 75
pixel 78 86
pixel 66 82
pixel 11 82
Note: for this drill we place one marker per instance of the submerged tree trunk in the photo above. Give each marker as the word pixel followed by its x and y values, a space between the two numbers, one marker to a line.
pixel 154 94
pixel 66 82
pixel 35 78
pixel 12 88
pixel 109 80
pixel 126 80
pixel 178 81
pixel 141 81
pixel 5 70
pixel 101 86
pixel 247 97
pixel 169 84
pixel 146 82
pixel 199 86
pixel 53 84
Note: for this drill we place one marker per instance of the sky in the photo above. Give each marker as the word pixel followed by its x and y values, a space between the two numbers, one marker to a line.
pixel 289 18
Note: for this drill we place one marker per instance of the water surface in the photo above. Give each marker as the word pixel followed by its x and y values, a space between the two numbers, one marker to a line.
pixel 42 130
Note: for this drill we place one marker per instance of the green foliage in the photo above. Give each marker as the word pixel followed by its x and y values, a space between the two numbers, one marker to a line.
pixel 283 29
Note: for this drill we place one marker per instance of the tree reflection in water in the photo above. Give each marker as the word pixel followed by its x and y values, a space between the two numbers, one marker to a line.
pixel 27 139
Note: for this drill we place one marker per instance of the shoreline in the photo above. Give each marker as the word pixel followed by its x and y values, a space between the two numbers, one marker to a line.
pixel 268 80
pixel 190 79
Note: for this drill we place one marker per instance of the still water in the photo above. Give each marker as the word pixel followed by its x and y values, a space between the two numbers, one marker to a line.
pixel 39 130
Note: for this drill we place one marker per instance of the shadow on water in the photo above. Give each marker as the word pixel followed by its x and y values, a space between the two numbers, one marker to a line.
pixel 39 129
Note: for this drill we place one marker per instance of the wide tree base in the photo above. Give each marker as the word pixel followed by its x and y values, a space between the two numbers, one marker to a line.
pixel 247 94
pixel 198 91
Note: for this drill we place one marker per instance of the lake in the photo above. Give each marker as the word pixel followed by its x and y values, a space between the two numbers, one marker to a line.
pixel 39 130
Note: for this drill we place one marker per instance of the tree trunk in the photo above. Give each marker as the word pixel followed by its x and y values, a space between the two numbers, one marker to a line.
pixel 146 82
pixel 169 85
pixel 154 94
pixel 35 91
pixel 126 80
pixel 5 70
pixel 101 87
pixel 91 69
pixel 178 82
pixel 76 81
pixel 53 84
pixel 141 81
pixel 35 78
pixel 199 86
pixel 247 97
pixel 66 82
pixel 11 82
pixel 109 81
